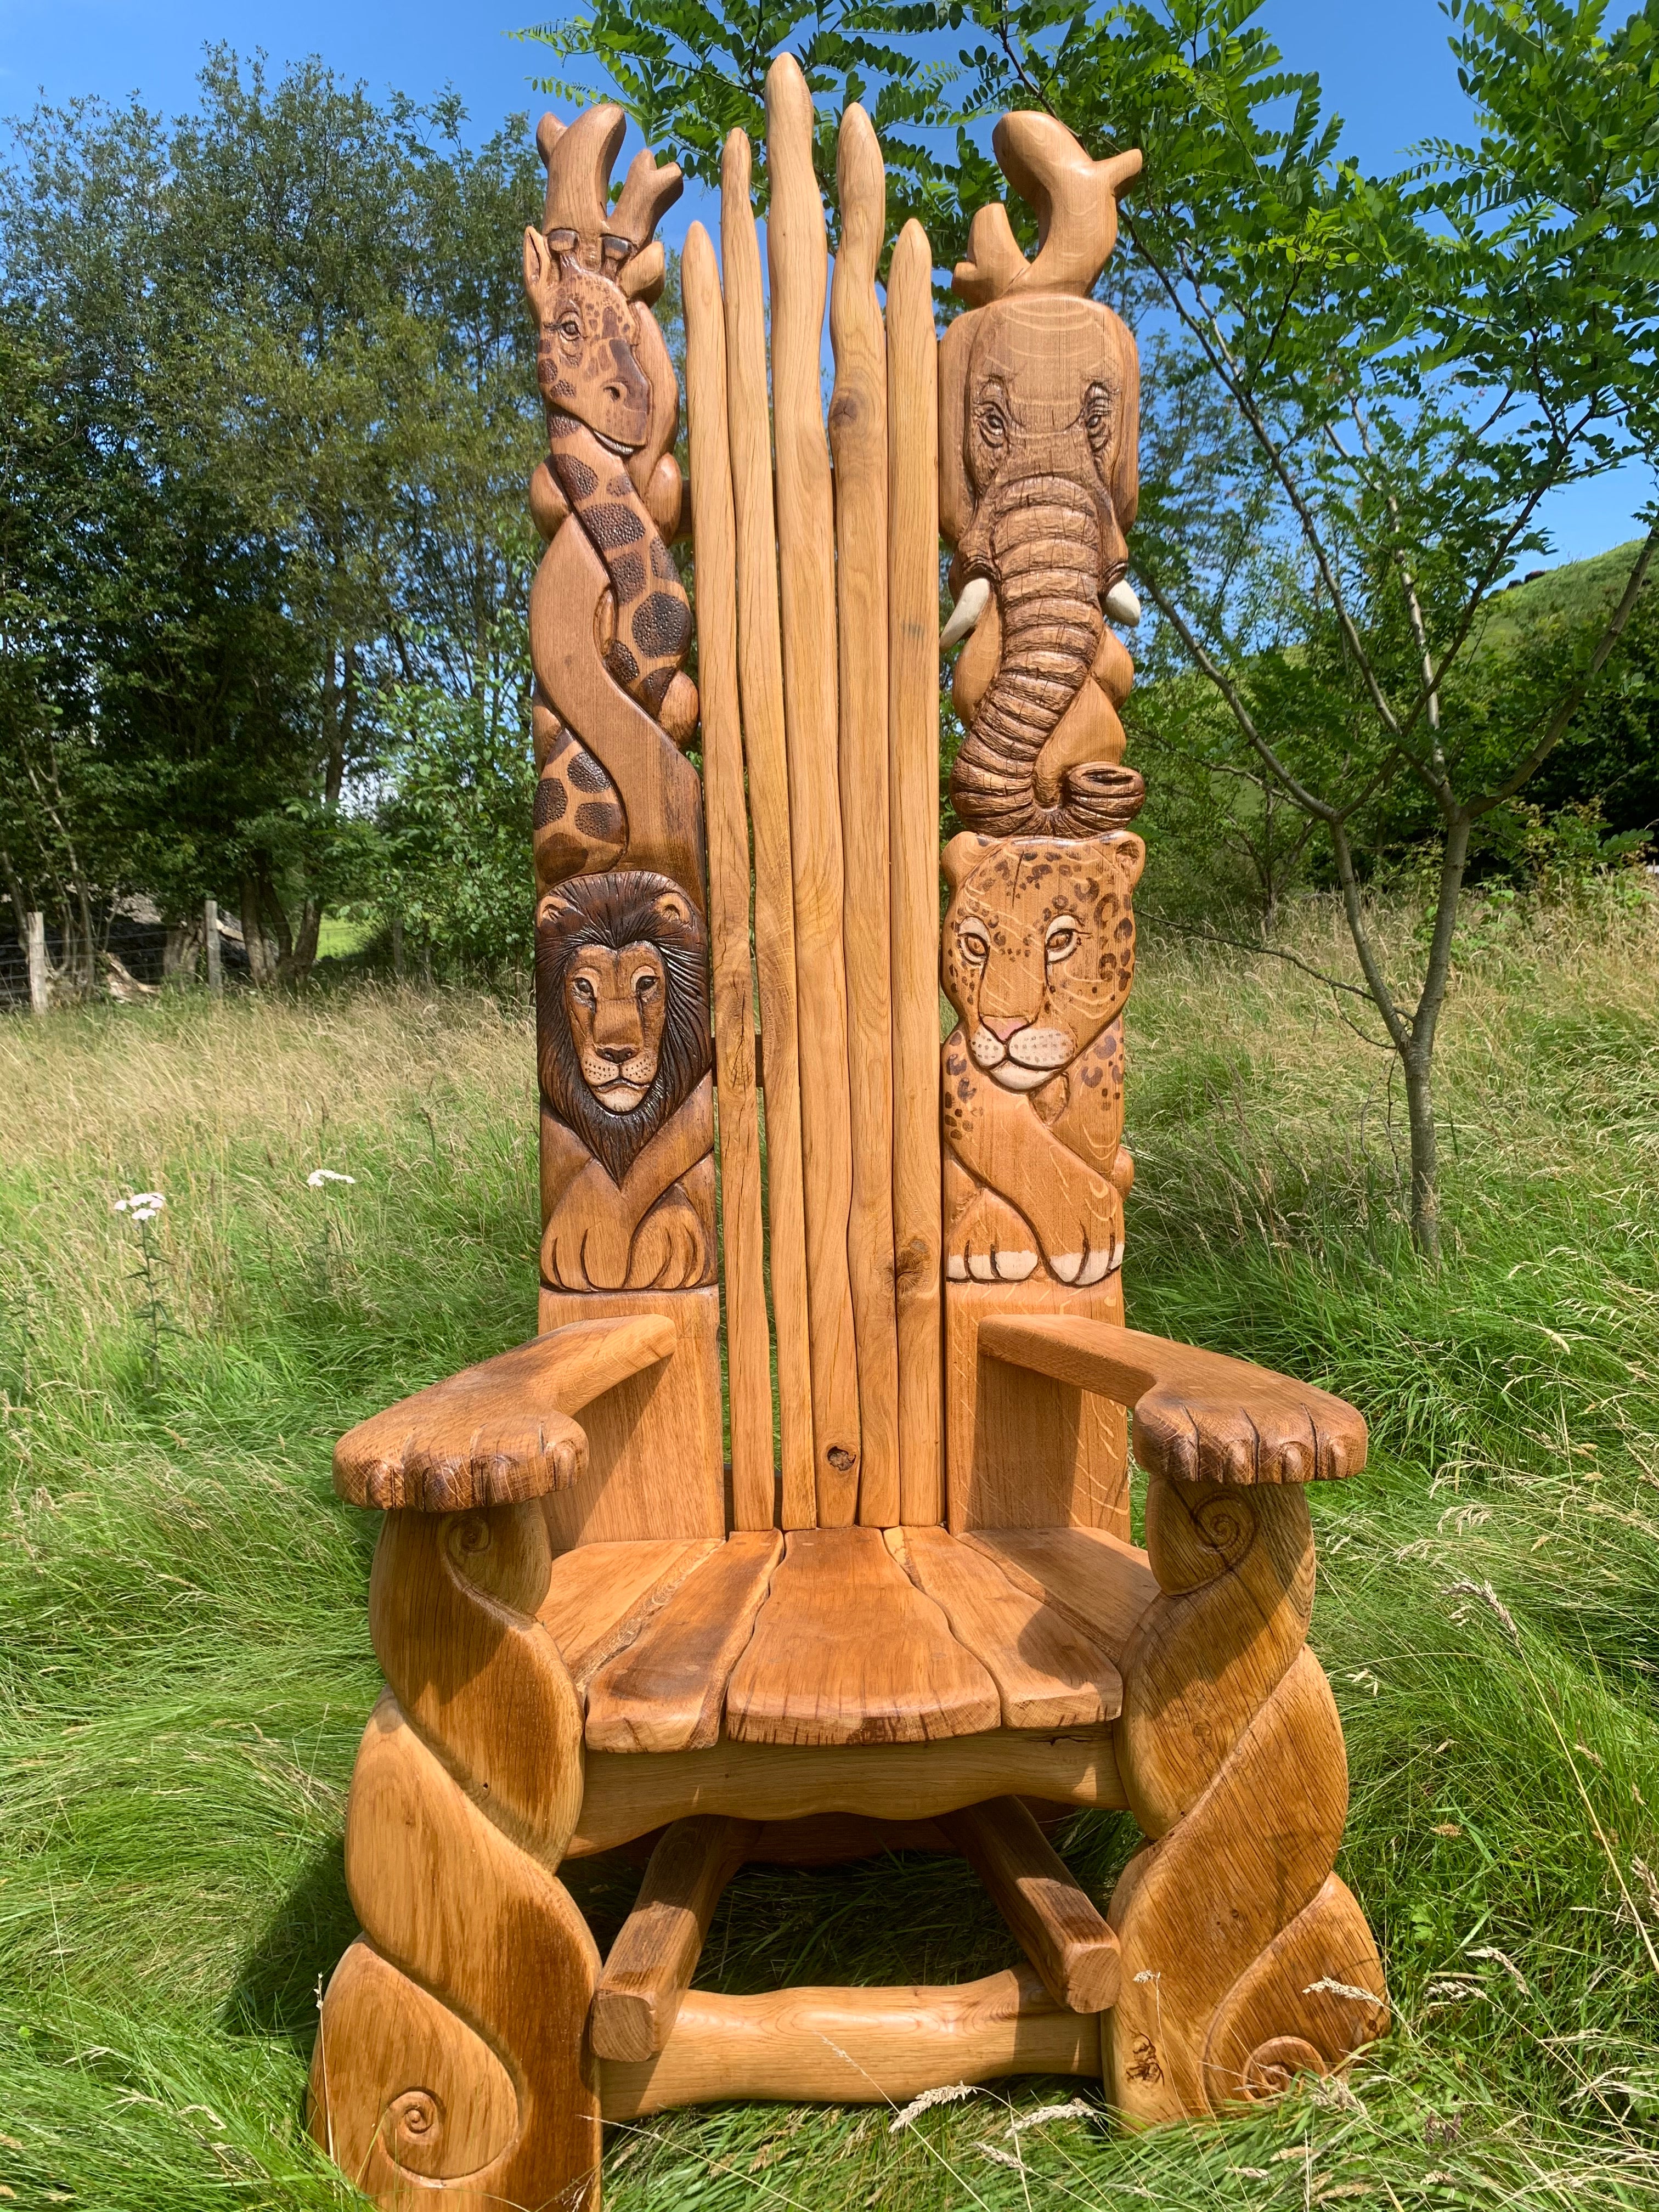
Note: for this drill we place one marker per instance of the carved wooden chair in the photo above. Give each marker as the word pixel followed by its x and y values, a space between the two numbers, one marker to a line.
pixel 901 1605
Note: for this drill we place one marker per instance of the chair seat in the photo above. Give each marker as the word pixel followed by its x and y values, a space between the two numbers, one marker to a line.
pixel 845 1635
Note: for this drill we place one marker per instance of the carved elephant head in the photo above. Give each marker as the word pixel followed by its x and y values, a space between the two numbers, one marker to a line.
pixel 1039 420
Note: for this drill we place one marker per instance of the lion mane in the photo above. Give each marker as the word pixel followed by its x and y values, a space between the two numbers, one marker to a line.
pixel 617 910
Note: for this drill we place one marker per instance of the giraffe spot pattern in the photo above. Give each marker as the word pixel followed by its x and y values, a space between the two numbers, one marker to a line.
pixel 611 526
pixel 662 624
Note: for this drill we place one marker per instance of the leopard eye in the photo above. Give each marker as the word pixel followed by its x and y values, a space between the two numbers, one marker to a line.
pixel 975 945
pixel 1063 940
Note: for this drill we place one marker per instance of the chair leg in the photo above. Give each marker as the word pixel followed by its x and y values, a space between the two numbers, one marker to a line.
pixel 1244 1960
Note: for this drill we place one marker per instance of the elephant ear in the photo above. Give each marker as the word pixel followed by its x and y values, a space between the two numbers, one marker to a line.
pixel 1125 474
pixel 956 503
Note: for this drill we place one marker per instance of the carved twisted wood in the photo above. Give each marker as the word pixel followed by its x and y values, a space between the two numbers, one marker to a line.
pixel 1231 1756
pixel 450 2052
pixel 622 955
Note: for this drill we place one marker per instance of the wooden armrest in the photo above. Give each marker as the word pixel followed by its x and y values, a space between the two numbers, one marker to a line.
pixel 1200 1417
pixel 500 1432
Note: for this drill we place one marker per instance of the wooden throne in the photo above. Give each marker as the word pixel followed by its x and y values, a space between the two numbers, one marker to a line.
pixel 890 1598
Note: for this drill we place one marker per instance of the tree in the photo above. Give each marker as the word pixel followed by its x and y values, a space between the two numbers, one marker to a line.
pixel 1409 365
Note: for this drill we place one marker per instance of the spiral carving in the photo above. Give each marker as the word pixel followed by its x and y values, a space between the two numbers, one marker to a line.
pixel 451 2047
pixel 1232 1759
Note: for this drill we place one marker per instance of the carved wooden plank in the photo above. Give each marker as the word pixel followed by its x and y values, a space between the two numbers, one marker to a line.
pixel 854 2046
pixel 912 719
pixel 1057 1927
pixel 1024 1451
pixel 798 258
pixel 1199 1416
pixel 600 1596
pixel 653 1958
pixel 847 1650
pixel 626 1797
pixel 760 669
pixel 665 1693
pixel 748 1358
pixel 1093 1578
pixel 1047 1674
pixel 858 440
pixel 499 1433
pixel 653 1443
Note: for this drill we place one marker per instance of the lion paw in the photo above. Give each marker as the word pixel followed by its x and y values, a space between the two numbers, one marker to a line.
pixel 990 1242
pixel 1093 1265
pixel 670 1251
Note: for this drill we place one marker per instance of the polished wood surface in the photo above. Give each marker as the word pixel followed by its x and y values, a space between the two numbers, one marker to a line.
pixel 627 1796
pixel 748 1353
pixel 600 1596
pixel 1096 1581
pixel 854 2046
pixel 650 1965
pixel 913 776
pixel 858 442
pixel 666 1691
pixel 847 1649
pixel 797 258
pixel 1199 1416
pixel 1048 1673
pixel 1057 1927
pixel 500 1431
pixel 760 665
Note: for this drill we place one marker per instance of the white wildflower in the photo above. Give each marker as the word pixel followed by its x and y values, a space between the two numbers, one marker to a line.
pixel 141 1205
pixel 319 1176
pixel 927 2100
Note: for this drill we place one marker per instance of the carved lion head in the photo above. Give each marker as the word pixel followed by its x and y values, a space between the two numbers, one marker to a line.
pixel 622 1008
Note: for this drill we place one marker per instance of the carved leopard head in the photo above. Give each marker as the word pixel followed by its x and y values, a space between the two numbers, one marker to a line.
pixel 1039 947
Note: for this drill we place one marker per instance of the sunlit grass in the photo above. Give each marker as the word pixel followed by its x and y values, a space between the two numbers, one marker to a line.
pixel 185 1666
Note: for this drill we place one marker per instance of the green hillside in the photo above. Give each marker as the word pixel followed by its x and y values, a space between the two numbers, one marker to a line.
pixel 1574 590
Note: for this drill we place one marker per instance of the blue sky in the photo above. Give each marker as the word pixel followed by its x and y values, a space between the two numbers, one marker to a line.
pixel 1384 62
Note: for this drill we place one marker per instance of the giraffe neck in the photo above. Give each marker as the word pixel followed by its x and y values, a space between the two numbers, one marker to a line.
pixel 654 617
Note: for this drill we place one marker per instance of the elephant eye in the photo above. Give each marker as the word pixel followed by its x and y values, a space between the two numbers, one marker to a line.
pixel 1097 411
pixel 975 946
pixel 1063 940
pixel 992 427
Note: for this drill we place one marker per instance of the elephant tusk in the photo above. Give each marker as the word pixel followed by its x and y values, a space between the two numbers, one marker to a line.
pixel 975 595
pixel 1121 604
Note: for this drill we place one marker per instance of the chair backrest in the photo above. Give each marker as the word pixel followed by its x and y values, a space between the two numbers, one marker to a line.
pixel 802 873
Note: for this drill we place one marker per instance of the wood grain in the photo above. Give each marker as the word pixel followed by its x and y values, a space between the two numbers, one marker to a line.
pixel 1050 1914
pixel 748 1351
pixel 798 259
pixel 600 1596
pixel 847 1650
pixel 1099 1582
pixel 858 442
pixel 1200 1417
pixel 654 1454
pixel 650 1965
pixel 760 669
pixel 665 1693
pixel 913 783
pixel 854 2046
pixel 1047 1673
pixel 500 1431
pixel 1024 1450
pixel 626 1797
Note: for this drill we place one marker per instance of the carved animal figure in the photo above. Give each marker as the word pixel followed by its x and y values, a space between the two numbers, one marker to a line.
pixel 1037 958
pixel 623 1053
pixel 583 274
pixel 1039 412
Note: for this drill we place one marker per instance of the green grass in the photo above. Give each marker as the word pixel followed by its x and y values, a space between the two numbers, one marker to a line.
pixel 1573 592
pixel 185 1663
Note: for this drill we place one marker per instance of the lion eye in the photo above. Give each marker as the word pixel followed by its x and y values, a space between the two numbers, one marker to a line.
pixel 644 986
pixel 975 946
pixel 584 991
pixel 1063 940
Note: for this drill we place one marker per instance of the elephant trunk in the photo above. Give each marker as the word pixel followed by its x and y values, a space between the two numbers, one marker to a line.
pixel 1042 548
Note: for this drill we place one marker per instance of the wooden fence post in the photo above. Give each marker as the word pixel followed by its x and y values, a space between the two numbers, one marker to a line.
pixel 216 974
pixel 38 997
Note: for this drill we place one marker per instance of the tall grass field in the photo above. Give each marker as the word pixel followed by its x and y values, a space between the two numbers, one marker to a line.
pixel 184 1662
